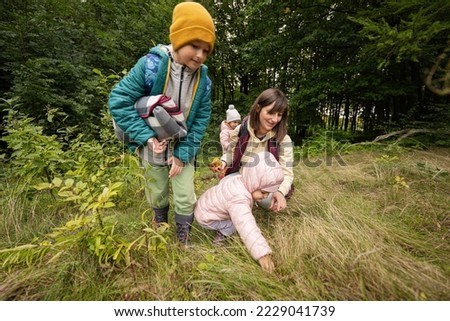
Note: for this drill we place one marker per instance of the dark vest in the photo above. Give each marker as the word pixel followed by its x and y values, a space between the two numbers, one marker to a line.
pixel 241 145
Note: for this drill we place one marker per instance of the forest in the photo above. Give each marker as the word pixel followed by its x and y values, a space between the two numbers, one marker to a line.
pixel 361 67
pixel 368 84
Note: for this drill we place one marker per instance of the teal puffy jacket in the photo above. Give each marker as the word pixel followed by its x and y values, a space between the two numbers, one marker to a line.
pixel 148 77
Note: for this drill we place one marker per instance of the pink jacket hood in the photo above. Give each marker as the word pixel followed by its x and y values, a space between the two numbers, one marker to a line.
pixel 224 126
pixel 263 173
pixel 224 136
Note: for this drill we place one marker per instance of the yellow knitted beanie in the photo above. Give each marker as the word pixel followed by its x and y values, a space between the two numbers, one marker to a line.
pixel 190 22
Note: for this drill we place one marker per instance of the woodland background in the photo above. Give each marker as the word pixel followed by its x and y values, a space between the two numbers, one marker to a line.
pixel 355 66
pixel 368 86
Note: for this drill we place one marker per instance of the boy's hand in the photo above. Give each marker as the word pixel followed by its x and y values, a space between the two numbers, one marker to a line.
pixel 176 166
pixel 266 263
pixel 157 146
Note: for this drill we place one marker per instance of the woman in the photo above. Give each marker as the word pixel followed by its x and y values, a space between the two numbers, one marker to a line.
pixel 265 128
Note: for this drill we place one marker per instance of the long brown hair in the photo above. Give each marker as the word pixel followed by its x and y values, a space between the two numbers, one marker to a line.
pixel 264 99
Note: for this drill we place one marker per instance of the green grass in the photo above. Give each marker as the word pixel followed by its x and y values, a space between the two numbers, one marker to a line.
pixel 375 229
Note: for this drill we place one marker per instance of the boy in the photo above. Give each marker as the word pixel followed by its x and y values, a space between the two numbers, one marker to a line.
pixel 177 71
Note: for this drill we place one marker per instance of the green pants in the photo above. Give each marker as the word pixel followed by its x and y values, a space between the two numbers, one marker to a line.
pixel 157 188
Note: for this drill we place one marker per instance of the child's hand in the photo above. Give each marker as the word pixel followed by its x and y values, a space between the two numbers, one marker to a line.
pixel 266 263
pixel 217 166
pixel 176 166
pixel 157 146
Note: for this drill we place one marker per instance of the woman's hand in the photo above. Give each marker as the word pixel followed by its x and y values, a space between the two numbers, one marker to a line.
pixel 217 166
pixel 278 202
pixel 176 166
pixel 157 146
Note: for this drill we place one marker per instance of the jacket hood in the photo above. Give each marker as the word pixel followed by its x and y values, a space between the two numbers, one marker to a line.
pixel 262 173
pixel 224 126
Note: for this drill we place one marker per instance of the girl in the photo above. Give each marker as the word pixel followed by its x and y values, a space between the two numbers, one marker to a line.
pixel 227 206
pixel 227 126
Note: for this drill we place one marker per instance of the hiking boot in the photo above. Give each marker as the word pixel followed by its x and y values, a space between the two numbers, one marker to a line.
pixel 184 223
pixel 219 239
pixel 183 231
pixel 160 216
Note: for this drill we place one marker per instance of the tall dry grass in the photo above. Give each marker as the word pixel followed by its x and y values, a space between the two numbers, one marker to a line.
pixel 352 237
pixel 375 229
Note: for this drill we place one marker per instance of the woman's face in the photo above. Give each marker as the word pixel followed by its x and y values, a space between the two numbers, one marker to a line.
pixel 267 121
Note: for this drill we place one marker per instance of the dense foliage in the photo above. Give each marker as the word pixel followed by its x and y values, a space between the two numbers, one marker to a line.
pixel 366 222
pixel 345 65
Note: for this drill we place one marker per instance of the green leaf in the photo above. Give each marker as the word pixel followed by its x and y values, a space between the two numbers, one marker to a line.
pixel 97 71
pixel 203 266
pixel 109 204
pixel 69 182
pixel 43 186
pixel 57 181
pixel 65 193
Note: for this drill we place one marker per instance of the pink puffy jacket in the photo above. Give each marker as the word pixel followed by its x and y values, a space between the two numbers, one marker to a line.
pixel 225 136
pixel 232 199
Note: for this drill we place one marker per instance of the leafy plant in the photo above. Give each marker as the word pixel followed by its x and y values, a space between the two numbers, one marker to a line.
pixel 86 234
pixel 81 173
pixel 34 154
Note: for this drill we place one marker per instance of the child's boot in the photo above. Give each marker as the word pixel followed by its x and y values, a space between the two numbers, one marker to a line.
pixel 184 223
pixel 219 239
pixel 161 216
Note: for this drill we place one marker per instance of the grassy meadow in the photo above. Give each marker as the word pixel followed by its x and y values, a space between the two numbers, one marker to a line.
pixel 369 223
